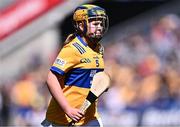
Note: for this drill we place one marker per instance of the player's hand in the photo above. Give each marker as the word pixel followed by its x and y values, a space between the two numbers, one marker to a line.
pixel 74 113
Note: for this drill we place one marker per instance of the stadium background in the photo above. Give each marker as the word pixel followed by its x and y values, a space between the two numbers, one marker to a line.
pixel 141 54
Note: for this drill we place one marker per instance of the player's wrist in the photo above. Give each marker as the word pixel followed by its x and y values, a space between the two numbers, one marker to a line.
pixel 66 107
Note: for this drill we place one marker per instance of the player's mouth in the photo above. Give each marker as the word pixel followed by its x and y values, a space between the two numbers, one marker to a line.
pixel 98 33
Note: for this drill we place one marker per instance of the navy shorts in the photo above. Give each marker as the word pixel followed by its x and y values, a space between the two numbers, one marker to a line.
pixel 92 123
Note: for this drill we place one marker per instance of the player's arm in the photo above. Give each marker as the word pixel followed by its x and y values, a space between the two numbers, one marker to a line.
pixel 53 82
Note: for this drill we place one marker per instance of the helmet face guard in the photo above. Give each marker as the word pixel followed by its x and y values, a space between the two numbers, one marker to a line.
pixel 102 27
pixel 87 13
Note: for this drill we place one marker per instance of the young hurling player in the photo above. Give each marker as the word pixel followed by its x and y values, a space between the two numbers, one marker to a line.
pixel 69 79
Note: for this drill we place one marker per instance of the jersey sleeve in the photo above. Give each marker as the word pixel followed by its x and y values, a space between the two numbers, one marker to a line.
pixel 65 60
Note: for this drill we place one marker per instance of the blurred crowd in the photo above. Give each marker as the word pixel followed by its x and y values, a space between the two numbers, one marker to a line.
pixel 144 68
pixel 23 100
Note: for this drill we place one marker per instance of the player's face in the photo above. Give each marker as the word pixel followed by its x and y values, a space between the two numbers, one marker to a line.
pixel 96 28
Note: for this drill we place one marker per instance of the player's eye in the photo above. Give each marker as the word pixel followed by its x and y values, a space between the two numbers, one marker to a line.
pixel 97 23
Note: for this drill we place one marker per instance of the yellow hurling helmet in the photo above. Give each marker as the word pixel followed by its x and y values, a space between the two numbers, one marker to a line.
pixel 86 12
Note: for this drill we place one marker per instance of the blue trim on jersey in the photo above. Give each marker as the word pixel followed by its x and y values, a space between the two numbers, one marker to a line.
pixel 79 48
pixel 57 70
pixel 81 40
pixel 81 77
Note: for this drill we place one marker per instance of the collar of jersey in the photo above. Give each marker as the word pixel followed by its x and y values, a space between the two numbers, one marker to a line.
pixel 81 40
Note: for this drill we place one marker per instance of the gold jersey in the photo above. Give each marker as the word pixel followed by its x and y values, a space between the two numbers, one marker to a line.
pixel 78 63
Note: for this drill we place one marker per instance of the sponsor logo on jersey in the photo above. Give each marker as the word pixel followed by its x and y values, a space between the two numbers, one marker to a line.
pixel 92 73
pixel 60 62
pixel 85 60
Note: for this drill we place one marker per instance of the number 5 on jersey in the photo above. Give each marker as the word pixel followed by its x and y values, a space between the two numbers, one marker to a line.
pixel 97 63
